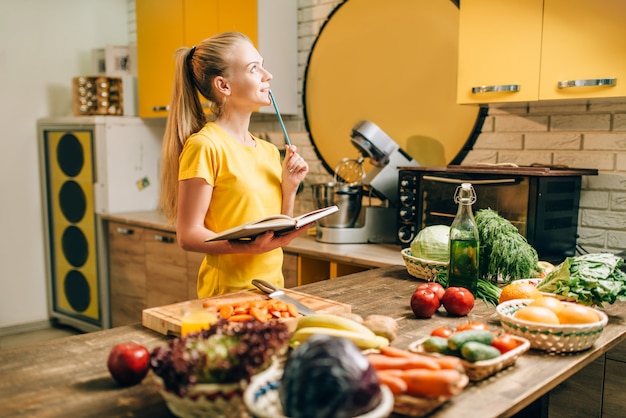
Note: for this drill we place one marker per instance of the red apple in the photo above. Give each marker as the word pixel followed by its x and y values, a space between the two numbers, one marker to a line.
pixel 458 301
pixel 128 363
pixel 435 287
pixel 424 303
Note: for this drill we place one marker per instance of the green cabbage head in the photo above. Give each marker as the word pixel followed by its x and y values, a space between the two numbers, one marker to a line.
pixel 432 243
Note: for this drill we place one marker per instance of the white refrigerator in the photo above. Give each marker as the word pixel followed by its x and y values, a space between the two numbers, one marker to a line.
pixel 90 166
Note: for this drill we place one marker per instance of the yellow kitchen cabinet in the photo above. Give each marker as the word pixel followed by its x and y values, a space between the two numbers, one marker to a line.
pixel 301 269
pixel 163 26
pixel 127 273
pixel 530 50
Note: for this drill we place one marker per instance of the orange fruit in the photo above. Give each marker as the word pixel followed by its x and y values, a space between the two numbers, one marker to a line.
pixel 537 314
pixel 573 313
pixel 519 290
pixel 549 302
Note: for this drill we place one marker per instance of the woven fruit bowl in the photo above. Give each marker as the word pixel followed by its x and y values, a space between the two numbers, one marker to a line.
pixel 480 370
pixel 555 338
pixel 421 268
pixel 262 400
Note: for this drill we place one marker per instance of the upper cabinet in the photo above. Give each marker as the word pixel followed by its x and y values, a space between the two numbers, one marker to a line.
pixel 163 26
pixel 529 50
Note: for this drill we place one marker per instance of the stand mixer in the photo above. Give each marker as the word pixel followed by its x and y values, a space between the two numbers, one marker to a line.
pixel 357 222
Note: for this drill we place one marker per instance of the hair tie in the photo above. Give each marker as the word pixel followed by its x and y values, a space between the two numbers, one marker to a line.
pixel 191 51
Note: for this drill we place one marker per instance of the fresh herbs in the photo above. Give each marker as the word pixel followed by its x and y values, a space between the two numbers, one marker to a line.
pixel 485 290
pixel 504 253
pixel 590 279
pixel 225 353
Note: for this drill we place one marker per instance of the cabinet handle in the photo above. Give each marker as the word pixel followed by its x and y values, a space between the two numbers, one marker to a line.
pixel 592 82
pixel 125 231
pixel 162 238
pixel 497 88
pixel 160 108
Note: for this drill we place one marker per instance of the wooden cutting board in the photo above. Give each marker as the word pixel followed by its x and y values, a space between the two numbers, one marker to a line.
pixel 166 319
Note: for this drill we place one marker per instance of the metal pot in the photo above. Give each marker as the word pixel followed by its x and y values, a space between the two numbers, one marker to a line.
pixel 347 197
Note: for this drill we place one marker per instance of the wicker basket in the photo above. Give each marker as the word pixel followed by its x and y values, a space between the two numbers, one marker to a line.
pixel 480 370
pixel 261 398
pixel 549 337
pixel 420 268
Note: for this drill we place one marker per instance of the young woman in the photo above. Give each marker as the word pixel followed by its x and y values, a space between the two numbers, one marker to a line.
pixel 216 174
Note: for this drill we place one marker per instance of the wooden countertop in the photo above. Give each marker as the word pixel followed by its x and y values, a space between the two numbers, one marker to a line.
pixel 68 377
pixel 368 255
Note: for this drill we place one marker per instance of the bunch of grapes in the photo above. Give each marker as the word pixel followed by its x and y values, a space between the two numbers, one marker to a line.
pixel 225 353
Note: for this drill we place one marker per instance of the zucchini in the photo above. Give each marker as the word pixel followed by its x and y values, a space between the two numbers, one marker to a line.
pixel 457 340
pixel 475 351
pixel 438 345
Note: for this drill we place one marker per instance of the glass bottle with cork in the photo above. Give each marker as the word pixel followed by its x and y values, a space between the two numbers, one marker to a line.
pixel 464 241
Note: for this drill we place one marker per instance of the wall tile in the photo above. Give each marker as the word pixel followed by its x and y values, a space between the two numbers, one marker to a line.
pixel 605 141
pixel 585 159
pixel 619 122
pixel 591 236
pixel 603 219
pixel 594 199
pixel 521 124
pixel 580 122
pixel 616 240
pixel 551 141
pixel 618 201
pixel 499 141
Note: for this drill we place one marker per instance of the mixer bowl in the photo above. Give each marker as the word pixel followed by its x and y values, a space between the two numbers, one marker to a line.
pixel 348 199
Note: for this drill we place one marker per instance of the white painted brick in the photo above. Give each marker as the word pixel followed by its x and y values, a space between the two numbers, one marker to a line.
pixel 585 159
pixel 487 124
pixel 499 141
pixel 608 106
pixel 524 157
pixel 592 199
pixel 477 157
pixel 618 201
pixel 521 123
pixel 616 240
pixel 583 122
pixel 619 122
pixel 551 141
pixel 561 107
pixel 603 219
pixel 620 162
pixel 497 109
pixel 591 236
pixel 604 141
pixel 605 182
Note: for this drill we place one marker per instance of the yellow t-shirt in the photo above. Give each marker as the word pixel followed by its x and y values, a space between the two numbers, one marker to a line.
pixel 246 186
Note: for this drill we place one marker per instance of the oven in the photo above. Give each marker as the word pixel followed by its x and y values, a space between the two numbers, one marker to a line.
pixel 542 202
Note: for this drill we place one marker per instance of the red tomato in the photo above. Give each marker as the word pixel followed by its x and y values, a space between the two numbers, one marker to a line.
pixel 444 332
pixel 435 287
pixel 504 342
pixel 458 301
pixel 473 325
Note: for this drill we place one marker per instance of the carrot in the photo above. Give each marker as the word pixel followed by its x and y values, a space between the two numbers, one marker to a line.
pixel 394 381
pixel 434 383
pixel 383 362
pixel 226 311
pixel 293 311
pixel 240 318
pixel 445 362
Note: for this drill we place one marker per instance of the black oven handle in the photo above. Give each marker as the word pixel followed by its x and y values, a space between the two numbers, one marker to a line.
pixel 459 181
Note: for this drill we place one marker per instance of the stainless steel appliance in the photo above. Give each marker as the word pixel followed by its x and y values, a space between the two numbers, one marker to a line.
pixel 542 202
pixel 89 166
pixel 366 208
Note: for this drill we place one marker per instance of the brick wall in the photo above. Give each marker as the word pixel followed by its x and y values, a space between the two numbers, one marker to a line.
pixel 583 134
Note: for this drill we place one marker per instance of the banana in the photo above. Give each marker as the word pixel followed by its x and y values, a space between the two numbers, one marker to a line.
pixel 359 339
pixel 334 322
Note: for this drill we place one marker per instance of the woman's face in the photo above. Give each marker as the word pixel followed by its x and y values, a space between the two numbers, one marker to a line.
pixel 248 80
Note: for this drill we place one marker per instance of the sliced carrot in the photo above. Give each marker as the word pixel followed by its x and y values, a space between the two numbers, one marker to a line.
pixel 226 311
pixel 293 311
pixel 434 383
pixel 394 382
pixel 383 362
pixel 258 314
pixel 240 318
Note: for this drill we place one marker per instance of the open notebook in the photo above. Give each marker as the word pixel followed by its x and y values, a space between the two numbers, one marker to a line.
pixel 280 224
